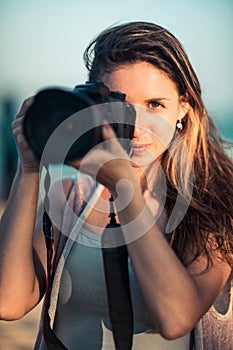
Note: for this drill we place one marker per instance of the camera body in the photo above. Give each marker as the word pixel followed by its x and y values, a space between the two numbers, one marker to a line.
pixel 69 122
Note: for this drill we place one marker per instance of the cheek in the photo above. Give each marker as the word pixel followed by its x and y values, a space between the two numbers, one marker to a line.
pixel 161 130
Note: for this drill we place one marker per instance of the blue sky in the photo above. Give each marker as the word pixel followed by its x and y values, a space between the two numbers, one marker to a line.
pixel 42 41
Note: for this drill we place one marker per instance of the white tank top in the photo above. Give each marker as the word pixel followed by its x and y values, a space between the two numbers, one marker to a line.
pixel 82 321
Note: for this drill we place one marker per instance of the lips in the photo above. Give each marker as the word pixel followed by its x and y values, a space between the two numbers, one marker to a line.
pixel 140 147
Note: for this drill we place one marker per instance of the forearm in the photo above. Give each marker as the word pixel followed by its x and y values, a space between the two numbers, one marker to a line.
pixel 18 283
pixel 169 290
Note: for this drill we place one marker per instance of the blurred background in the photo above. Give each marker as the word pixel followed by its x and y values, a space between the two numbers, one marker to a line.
pixel 42 43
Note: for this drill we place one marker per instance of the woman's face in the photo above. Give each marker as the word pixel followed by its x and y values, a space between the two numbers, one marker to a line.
pixel 158 107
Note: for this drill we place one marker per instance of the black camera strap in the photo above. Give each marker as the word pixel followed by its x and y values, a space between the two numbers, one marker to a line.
pixel 115 261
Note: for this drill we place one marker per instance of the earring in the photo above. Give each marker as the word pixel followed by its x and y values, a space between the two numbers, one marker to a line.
pixel 179 125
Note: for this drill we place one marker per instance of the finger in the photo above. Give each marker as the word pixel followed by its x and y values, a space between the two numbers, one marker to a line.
pixel 108 132
pixel 17 123
pixel 26 104
pixel 19 137
pixel 17 128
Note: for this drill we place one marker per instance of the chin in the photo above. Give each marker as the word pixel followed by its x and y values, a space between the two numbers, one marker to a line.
pixel 147 158
pixel 143 162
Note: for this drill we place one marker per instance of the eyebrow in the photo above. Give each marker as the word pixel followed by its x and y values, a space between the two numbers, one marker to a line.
pixel 157 99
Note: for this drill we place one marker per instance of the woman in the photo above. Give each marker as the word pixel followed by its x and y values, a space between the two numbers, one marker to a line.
pixel 180 245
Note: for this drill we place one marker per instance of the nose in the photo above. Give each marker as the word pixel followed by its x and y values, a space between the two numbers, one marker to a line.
pixel 136 132
pixel 138 126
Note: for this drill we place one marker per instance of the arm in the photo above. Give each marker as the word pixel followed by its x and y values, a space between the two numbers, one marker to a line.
pixel 22 266
pixel 22 253
pixel 175 296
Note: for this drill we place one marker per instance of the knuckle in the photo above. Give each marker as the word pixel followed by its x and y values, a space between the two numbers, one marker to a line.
pixel 27 102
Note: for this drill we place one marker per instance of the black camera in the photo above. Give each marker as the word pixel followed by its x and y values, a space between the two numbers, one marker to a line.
pixel 63 125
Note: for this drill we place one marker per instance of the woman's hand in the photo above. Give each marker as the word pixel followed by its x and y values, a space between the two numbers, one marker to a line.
pixel 108 162
pixel 27 160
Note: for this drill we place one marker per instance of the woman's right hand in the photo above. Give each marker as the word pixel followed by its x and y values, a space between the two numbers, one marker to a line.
pixel 27 161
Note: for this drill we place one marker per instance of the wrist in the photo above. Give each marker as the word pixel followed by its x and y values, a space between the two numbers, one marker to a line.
pixel 125 192
pixel 135 217
pixel 25 173
pixel 31 170
pixel 22 169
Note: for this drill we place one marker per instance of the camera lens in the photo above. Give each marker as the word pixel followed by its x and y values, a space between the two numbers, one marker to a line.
pixel 76 118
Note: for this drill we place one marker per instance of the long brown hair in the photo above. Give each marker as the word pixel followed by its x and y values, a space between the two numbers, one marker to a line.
pixel 207 224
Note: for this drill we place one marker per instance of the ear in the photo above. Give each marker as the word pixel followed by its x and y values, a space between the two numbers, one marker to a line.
pixel 183 108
